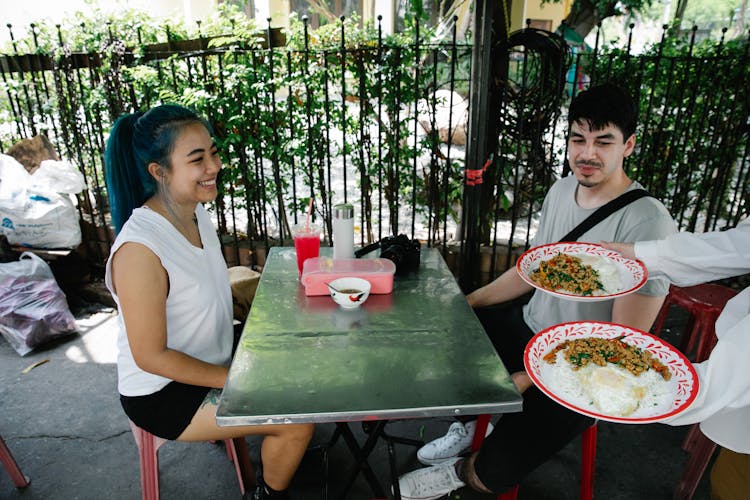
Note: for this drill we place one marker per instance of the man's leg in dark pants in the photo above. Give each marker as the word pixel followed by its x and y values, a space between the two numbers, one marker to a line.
pixel 522 441
pixel 508 332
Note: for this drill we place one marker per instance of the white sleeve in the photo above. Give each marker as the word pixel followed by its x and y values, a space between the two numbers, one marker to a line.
pixel 688 258
pixel 724 383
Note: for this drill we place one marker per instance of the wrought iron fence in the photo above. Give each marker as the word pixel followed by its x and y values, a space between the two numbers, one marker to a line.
pixel 693 136
pixel 354 122
pixel 377 124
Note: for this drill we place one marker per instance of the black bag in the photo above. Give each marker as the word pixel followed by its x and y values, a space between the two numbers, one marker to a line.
pixel 405 253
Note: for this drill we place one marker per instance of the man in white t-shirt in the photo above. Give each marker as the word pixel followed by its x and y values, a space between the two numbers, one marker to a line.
pixel 602 123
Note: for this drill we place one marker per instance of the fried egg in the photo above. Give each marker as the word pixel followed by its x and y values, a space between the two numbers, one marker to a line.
pixel 613 390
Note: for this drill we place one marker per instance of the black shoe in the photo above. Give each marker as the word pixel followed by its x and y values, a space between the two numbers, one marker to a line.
pixel 263 492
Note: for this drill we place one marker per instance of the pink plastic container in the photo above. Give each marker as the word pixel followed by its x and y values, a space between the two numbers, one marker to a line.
pixel 318 271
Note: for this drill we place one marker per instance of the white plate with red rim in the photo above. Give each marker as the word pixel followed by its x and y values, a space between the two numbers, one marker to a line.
pixel 680 392
pixel 632 273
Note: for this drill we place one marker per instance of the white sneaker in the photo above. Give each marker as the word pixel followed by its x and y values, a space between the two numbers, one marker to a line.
pixel 456 441
pixel 431 482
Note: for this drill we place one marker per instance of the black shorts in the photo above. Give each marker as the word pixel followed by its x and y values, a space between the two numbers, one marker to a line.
pixel 167 412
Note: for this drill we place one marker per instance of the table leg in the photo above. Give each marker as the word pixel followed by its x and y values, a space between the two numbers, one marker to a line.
pixel 390 440
pixel 325 473
pixel 360 456
pixel 394 473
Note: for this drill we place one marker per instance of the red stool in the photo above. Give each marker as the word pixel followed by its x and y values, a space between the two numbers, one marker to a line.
pixel 588 459
pixel 11 466
pixel 701 450
pixel 704 303
pixel 148 451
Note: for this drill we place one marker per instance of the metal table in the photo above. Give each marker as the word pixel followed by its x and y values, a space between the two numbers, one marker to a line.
pixel 417 352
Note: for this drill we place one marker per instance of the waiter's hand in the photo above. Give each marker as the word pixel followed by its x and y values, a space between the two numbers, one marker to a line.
pixel 626 249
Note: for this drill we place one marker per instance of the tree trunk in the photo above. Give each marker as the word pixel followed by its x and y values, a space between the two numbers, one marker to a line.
pixel 679 11
pixel 741 18
pixel 584 16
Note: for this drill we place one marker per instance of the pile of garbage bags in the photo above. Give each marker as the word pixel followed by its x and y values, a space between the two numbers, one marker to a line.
pixel 33 308
pixel 38 210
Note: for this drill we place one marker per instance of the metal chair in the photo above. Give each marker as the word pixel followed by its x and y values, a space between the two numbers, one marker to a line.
pixel 148 451
pixel 19 480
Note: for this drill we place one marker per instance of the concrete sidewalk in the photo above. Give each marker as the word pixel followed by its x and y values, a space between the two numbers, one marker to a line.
pixel 63 422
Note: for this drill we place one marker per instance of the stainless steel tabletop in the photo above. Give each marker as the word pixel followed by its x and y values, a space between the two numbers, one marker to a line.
pixel 417 352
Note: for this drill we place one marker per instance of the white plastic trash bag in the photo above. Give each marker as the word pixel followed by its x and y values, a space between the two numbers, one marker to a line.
pixel 38 210
pixel 33 308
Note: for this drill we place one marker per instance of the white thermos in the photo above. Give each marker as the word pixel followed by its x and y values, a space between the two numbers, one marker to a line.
pixel 343 231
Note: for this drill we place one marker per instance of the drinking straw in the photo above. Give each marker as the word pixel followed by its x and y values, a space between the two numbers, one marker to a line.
pixel 309 211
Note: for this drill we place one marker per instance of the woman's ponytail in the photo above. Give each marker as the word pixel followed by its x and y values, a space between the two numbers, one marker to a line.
pixel 127 186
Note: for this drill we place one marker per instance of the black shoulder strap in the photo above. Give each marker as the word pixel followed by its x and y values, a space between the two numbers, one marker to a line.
pixel 605 211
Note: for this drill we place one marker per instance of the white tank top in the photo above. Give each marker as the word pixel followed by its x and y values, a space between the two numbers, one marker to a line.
pixel 199 303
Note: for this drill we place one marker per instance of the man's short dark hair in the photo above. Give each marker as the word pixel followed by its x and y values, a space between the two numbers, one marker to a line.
pixel 605 105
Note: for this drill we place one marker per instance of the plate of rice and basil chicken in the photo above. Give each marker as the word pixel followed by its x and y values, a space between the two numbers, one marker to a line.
pixel 611 372
pixel 581 271
pixel 603 370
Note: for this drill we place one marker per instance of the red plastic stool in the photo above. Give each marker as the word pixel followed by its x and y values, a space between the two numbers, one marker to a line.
pixel 148 451
pixel 701 450
pixel 704 303
pixel 588 459
pixel 11 466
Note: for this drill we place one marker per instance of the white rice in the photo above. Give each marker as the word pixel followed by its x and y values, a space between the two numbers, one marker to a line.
pixel 609 273
pixel 569 384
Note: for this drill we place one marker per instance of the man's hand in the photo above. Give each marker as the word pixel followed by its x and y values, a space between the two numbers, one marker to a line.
pixel 521 380
pixel 626 249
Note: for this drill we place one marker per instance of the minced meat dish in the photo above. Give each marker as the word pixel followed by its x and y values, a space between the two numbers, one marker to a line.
pixel 580 352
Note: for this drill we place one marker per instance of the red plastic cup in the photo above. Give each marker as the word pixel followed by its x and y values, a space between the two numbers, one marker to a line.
pixel 306 242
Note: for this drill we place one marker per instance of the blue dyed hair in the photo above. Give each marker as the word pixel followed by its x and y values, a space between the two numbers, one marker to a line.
pixel 604 105
pixel 136 140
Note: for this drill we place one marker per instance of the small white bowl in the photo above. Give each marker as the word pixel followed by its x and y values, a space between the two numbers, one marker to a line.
pixel 349 292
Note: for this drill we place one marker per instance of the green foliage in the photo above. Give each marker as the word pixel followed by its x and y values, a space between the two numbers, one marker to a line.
pixel 607 8
pixel 89 31
pixel 708 13
pixel 693 125
pixel 279 116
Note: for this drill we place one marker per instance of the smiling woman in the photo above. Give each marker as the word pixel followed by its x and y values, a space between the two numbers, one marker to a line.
pixel 169 280
pixel 186 179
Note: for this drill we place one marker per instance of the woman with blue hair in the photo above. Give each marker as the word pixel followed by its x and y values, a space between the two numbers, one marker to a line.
pixel 168 277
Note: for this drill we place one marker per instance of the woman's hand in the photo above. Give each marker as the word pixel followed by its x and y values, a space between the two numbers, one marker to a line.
pixel 626 249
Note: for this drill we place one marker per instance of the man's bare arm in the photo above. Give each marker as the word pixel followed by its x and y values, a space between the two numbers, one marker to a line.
pixel 636 310
pixel 507 286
